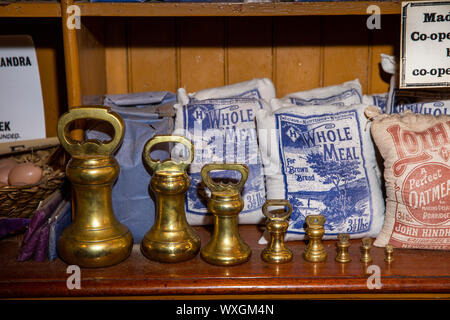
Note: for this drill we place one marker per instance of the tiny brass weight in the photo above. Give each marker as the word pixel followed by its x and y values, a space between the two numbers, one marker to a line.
pixel 314 251
pixel 95 238
pixel 225 247
pixel 171 238
pixel 389 253
pixel 365 250
pixel 277 224
pixel 342 245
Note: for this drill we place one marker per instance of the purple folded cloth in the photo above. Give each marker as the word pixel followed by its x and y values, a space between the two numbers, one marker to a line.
pixel 35 242
pixel 11 225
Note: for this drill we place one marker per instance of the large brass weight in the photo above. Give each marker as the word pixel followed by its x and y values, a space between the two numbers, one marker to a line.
pixel 95 238
pixel 171 238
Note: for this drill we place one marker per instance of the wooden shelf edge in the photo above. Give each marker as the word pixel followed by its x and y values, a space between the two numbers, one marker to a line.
pixel 35 9
pixel 184 9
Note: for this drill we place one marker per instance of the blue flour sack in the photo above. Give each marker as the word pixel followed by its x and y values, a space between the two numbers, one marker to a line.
pixel 344 94
pixel 322 160
pixel 132 203
pixel 222 130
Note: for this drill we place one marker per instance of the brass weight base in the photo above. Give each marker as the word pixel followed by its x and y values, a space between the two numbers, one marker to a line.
pixel 276 257
pixel 95 254
pixel 171 251
pixel 210 254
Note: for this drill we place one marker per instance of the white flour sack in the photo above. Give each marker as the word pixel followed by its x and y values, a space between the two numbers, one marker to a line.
pixel 344 94
pixel 416 153
pixel 322 160
pixel 257 88
pixel 223 131
pixel 378 100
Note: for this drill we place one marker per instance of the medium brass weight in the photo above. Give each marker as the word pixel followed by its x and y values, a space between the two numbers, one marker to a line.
pixel 171 238
pixel 95 238
pixel 314 251
pixel 225 247
pixel 277 223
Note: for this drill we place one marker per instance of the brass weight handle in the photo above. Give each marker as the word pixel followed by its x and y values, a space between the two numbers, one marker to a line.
pixel 279 214
pixel 220 186
pixel 91 147
pixel 168 164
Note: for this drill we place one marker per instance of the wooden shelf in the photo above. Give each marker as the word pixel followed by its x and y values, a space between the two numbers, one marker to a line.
pixel 413 274
pixel 184 9
pixel 31 9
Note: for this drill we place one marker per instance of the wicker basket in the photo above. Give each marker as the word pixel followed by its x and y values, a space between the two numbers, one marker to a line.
pixel 22 201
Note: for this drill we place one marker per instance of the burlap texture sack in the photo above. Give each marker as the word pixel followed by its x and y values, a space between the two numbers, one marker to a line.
pixel 416 153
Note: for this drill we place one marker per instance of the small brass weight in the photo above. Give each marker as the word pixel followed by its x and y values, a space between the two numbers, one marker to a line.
pixel 95 238
pixel 277 224
pixel 226 246
pixel 171 238
pixel 314 251
pixel 342 245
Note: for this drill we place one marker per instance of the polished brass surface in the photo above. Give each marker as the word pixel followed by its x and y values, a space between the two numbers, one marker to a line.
pixel 277 224
pixel 225 247
pixel 389 253
pixel 342 245
pixel 171 238
pixel 365 250
pixel 95 238
pixel 314 251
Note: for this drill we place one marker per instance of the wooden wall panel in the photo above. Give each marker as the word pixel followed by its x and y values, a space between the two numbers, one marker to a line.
pixel 91 46
pixel 297 54
pixel 345 50
pixel 152 55
pixel 384 40
pixel 201 56
pixel 249 49
pixel 116 55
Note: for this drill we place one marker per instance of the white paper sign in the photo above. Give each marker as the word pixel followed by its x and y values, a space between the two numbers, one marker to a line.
pixel 21 104
pixel 425 45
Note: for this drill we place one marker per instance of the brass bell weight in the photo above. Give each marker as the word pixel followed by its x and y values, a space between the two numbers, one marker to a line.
pixel 95 238
pixel 171 238
pixel 314 251
pixel 225 247
pixel 277 224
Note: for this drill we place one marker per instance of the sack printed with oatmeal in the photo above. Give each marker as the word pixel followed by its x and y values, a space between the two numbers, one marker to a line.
pixel 323 161
pixel 222 131
pixel 416 153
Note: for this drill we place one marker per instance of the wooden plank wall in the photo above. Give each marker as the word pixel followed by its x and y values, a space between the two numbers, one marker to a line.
pixel 297 53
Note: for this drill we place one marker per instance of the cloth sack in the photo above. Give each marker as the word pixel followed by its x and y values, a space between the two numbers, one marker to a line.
pixel 222 131
pixel 257 88
pixel 60 220
pixel 322 160
pixel 378 99
pixel 344 94
pixel 35 242
pixel 416 153
pixel 132 203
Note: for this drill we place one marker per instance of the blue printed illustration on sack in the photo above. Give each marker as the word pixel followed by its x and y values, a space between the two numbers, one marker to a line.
pixel 323 171
pixel 223 131
pixel 336 100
